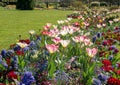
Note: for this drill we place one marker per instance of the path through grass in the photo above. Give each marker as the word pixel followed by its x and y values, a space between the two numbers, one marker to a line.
pixel 14 23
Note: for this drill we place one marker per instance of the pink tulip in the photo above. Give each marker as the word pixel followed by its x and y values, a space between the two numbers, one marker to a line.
pixel 47 26
pixel 54 32
pixel 52 48
pixel 72 29
pixel 45 32
pixel 76 39
pixel 56 40
pixel 82 38
pixel 64 30
pixel 92 52
pixel 87 41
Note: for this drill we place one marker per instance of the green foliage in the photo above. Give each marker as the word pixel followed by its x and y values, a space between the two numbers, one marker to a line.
pixel 40 5
pixel 25 4
pixel 113 8
pixel 2 4
pixel 78 5
pixel 103 4
pixel 95 4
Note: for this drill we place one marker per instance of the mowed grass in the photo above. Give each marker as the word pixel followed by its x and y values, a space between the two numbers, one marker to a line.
pixel 14 23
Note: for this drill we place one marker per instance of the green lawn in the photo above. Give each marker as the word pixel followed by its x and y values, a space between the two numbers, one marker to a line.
pixel 14 23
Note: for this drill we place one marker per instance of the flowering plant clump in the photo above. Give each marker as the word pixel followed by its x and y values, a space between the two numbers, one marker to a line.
pixel 84 51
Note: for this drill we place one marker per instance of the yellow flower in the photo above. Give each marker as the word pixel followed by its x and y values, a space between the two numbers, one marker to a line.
pixel 32 32
pixel 65 43
pixel 100 21
pixel 22 45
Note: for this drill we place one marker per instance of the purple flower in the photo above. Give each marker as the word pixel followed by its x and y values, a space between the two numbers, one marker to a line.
pixel 104 42
pixel 26 49
pixel 17 47
pixel 15 62
pixel 96 82
pixel 4 64
pixel 102 77
pixel 110 57
pixel 10 53
pixel 111 47
pixel 28 78
pixel 115 51
pixel 3 53
pixel 0 57
pixel 38 38
pixel 99 35
pixel 32 43
pixel 94 39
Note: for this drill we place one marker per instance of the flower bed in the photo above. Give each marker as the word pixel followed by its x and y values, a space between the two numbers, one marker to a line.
pixel 73 52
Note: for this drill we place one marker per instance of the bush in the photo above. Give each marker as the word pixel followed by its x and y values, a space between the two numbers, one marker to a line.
pixel 103 4
pixel 78 5
pixel 2 4
pixel 25 4
pixel 95 4
pixel 40 5
pixel 113 8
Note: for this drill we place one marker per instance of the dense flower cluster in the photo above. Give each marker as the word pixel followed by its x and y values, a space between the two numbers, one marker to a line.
pixel 83 52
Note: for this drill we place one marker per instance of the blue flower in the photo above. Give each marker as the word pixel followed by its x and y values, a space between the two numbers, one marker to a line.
pixel 94 39
pixel 10 53
pixel 32 43
pixel 26 49
pixel 3 53
pixel 47 52
pixel 42 65
pixel 61 76
pixel 4 64
pixel 102 77
pixel 14 62
pixel 0 57
pixel 96 82
pixel 110 57
pixel 17 47
pixel 28 78
pixel 38 38
pixel 99 35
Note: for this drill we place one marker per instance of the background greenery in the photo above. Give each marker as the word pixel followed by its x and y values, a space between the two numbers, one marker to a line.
pixel 14 23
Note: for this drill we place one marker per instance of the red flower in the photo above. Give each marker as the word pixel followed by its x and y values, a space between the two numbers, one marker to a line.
pixel 113 81
pixel 12 75
pixel 118 72
pixel 8 61
pixel 116 51
pixel 7 84
pixel 101 53
pixel 118 65
pixel 2 84
pixel 44 32
pixel 27 41
pixel 105 43
pixel 108 68
pixel 106 62
pixel 18 52
pixel 103 33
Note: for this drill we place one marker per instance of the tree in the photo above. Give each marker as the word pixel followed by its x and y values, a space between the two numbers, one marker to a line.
pixel 25 4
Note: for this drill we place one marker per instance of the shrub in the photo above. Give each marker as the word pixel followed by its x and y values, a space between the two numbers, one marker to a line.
pixel 103 4
pixel 25 4
pixel 40 5
pixel 113 8
pixel 95 4
pixel 2 4
pixel 78 5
